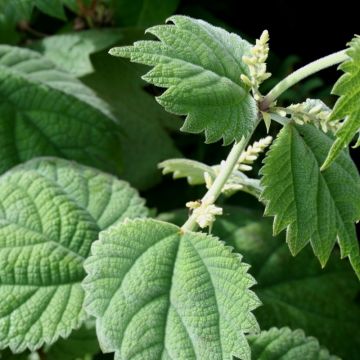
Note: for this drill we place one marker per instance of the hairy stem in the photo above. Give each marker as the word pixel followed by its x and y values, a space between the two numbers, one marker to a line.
pixel 215 190
pixel 301 74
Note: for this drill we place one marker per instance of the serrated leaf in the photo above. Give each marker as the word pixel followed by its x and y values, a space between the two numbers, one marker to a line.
pixel 314 206
pixel 159 293
pixel 348 105
pixel 192 170
pixel 72 51
pixel 286 344
pixel 142 13
pixel 51 210
pixel 295 292
pixel 144 138
pixel 82 344
pixel 47 112
pixel 201 66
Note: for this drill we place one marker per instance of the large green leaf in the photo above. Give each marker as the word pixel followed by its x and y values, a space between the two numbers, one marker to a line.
pixel 295 292
pixel 314 206
pixel 144 139
pixel 71 52
pixel 285 344
pixel 51 210
pixel 201 66
pixel 45 111
pixel 142 13
pixel 160 293
pixel 348 105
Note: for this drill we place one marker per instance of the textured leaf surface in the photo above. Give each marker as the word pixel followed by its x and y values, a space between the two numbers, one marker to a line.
pixel 201 66
pixel 158 293
pixel 71 52
pixel 295 292
pixel 144 139
pixel 348 105
pixel 143 13
pixel 82 344
pixel 46 112
pixel 51 210
pixel 316 207
pixel 285 344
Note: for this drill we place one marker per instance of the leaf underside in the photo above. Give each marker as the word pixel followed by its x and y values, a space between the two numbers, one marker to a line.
pixel 200 65
pixel 285 344
pixel 46 112
pixel 348 105
pixel 51 210
pixel 314 206
pixel 158 293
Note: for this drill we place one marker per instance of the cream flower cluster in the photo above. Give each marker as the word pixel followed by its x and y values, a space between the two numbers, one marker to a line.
pixel 257 64
pixel 252 152
pixel 204 212
pixel 318 115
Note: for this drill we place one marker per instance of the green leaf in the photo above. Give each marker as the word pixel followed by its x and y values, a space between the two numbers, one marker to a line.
pixel 203 83
pixel 51 210
pixel 82 344
pixel 142 13
pixel 22 9
pixel 71 52
pixel 295 292
pixel 144 139
pixel 316 207
pixel 160 293
pixel 192 170
pixel 45 111
pixel 285 344
pixel 348 105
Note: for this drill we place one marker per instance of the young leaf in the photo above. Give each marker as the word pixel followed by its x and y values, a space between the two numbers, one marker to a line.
pixel 348 105
pixel 71 52
pixel 159 293
pixel 316 207
pixel 45 111
pixel 285 344
pixel 51 210
pixel 192 170
pixel 201 66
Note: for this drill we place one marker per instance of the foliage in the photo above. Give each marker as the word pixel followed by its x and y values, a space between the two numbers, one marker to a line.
pixel 87 269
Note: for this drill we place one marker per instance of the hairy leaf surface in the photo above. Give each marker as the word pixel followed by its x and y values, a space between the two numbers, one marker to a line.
pixel 285 344
pixel 47 112
pixel 159 293
pixel 314 206
pixel 348 105
pixel 51 211
pixel 200 65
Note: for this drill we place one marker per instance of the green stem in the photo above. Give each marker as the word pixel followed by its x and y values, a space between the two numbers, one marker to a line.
pixel 215 190
pixel 301 74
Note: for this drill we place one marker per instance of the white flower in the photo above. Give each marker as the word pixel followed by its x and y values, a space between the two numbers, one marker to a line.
pixel 257 64
pixel 204 212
